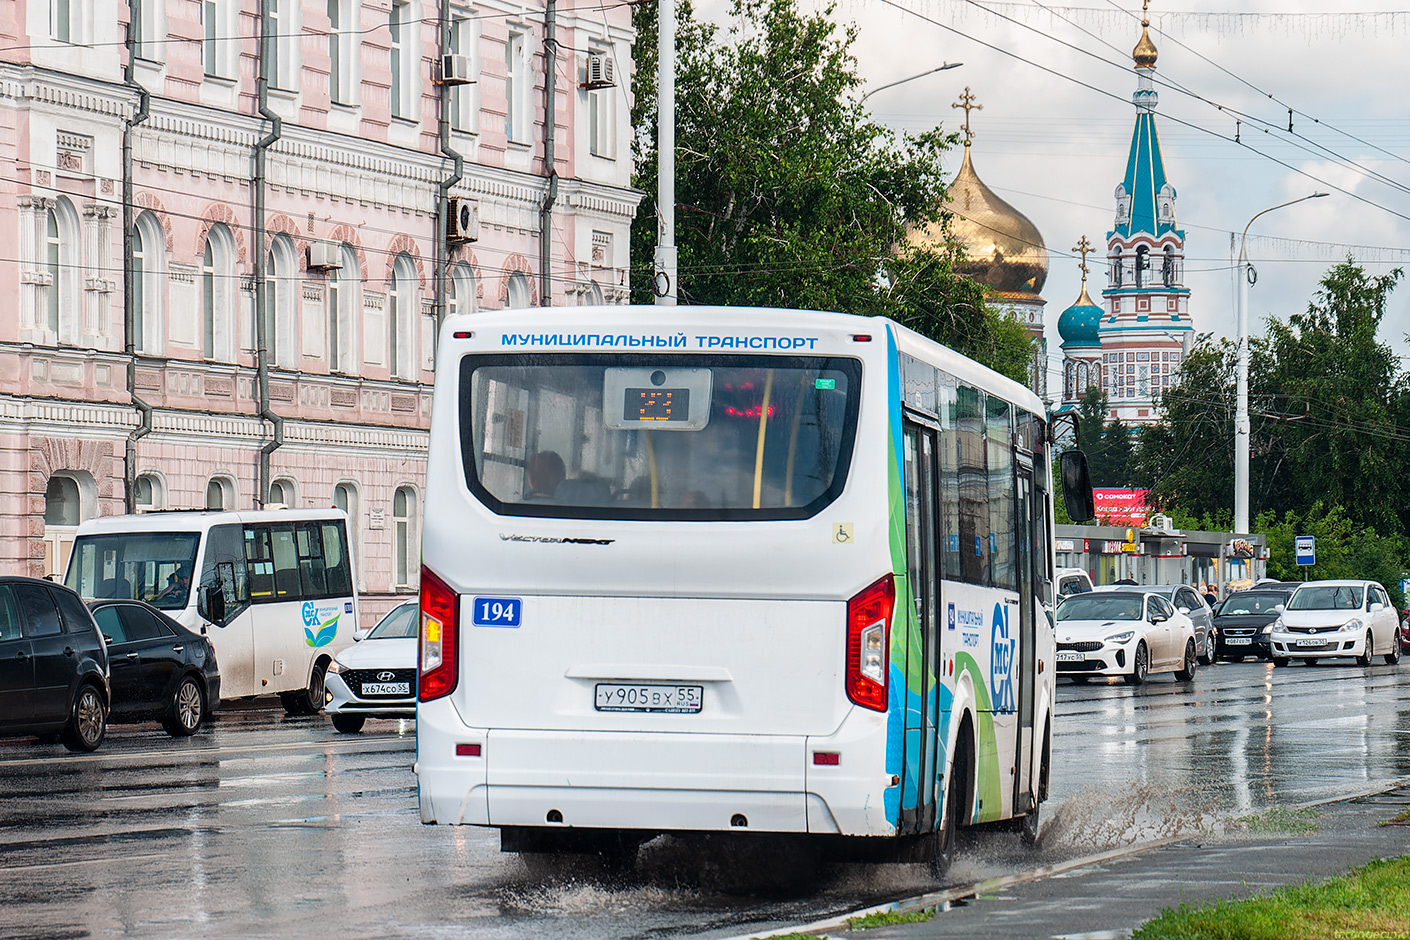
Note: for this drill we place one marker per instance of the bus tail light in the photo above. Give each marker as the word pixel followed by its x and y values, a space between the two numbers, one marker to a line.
pixel 438 664
pixel 868 642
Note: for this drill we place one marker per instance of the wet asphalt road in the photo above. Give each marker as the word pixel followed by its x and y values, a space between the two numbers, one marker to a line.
pixel 272 827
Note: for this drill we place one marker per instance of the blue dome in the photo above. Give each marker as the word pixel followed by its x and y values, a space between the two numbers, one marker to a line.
pixel 1078 324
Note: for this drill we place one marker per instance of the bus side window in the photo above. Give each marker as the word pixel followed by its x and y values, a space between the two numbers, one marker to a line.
pixel 287 582
pixel 259 557
pixel 336 563
pixel 224 590
pixel 311 560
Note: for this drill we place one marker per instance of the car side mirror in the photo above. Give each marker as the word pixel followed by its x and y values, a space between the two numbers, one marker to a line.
pixel 360 635
pixel 1377 607
pixel 1183 610
pixel 107 638
pixel 1076 486
pixel 1158 617
pixel 1280 607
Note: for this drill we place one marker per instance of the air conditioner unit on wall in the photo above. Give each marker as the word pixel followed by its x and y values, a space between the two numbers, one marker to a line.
pixel 453 70
pixel 463 221
pixel 324 256
pixel 600 72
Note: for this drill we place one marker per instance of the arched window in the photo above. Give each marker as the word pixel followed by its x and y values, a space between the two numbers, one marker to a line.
pixel 280 299
pixel 220 493
pixel 344 299
pixel 404 535
pixel 595 293
pixel 519 295
pixel 69 498
pixel 401 336
pixel 460 289
pixel 218 285
pixel 148 493
pixel 57 307
pixel 1142 264
pixel 148 282
pixel 281 493
pixel 345 498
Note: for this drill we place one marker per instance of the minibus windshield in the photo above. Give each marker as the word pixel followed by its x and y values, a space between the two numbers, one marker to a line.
pixel 669 437
pixel 147 566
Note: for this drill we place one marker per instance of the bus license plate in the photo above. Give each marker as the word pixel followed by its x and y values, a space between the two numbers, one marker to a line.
pixel 671 699
pixel 386 688
pixel 1237 641
pixel 1069 656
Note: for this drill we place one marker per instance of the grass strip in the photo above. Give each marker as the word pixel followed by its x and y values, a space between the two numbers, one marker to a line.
pixel 1369 903
pixel 887 918
pixel 1279 821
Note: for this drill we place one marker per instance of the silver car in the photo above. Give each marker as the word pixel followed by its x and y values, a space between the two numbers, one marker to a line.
pixel 1188 602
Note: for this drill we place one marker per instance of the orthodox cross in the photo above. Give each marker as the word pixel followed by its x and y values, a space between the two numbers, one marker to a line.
pixel 1085 248
pixel 967 101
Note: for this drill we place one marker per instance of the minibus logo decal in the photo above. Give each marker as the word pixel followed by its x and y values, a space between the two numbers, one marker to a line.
pixel 553 539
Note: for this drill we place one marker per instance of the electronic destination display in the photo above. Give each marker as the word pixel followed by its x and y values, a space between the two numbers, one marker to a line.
pixel 656 404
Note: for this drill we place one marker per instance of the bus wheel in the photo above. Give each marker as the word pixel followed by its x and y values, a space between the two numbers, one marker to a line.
pixel 307 701
pixel 947 836
pixel 1028 826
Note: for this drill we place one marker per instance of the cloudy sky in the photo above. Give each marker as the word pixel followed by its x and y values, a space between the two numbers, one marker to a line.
pixel 1056 81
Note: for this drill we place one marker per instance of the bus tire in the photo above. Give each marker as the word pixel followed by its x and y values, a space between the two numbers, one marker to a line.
pixel 1028 826
pixel 307 701
pixel 956 800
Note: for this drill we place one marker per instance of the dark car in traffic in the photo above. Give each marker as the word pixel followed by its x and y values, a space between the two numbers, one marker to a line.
pixel 1244 621
pixel 53 665
pixel 159 669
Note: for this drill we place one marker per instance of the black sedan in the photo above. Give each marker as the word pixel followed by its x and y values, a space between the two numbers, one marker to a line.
pixel 1244 621
pixel 158 668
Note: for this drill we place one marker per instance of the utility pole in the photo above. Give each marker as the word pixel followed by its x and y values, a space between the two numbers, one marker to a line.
pixel 663 278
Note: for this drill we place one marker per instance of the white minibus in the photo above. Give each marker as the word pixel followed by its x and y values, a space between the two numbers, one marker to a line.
pixel 703 569
pixel 272 589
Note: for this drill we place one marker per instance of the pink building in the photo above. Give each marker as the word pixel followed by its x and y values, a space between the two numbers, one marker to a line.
pixel 265 332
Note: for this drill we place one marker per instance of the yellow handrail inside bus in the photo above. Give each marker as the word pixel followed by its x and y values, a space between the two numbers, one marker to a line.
pixel 759 449
pixel 793 444
pixel 655 481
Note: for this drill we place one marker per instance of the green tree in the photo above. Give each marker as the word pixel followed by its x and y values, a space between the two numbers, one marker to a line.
pixel 1331 401
pixel 1187 459
pixel 788 194
pixel 1107 443
pixel 1343 549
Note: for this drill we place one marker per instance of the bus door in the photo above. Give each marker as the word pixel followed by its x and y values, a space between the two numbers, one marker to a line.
pixel 918 778
pixel 1027 518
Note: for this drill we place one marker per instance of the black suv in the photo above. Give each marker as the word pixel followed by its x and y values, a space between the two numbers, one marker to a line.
pixel 53 665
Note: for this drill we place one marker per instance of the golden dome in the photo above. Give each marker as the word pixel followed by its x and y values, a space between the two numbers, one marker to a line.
pixel 1002 248
pixel 1144 53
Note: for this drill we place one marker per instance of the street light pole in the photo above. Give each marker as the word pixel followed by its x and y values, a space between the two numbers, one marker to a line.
pixel 900 81
pixel 1241 422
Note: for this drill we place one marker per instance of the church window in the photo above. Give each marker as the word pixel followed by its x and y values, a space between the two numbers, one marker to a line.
pixel 1142 264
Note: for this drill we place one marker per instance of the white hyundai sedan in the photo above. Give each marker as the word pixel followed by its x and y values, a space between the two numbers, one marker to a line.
pixel 1128 633
pixel 1324 619
pixel 376 677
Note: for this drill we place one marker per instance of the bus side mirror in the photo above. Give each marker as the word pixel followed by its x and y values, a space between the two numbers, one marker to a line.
pixel 213 600
pixel 1077 486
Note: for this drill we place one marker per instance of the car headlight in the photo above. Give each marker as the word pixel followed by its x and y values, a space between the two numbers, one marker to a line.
pixel 1275 626
pixel 1121 637
pixel 1269 629
pixel 334 667
pixel 1355 623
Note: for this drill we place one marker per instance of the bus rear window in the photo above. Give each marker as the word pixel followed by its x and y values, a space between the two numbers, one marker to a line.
pixel 669 437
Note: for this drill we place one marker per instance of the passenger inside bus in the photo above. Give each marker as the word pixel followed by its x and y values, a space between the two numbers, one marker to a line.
pixel 544 472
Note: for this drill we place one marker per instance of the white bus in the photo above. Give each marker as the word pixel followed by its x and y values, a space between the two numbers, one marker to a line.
pixel 273 589
pixel 719 569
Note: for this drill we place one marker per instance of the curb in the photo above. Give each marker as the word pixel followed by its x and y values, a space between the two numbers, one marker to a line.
pixel 943 899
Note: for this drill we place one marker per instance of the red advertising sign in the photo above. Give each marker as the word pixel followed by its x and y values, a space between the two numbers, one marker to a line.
pixel 1121 507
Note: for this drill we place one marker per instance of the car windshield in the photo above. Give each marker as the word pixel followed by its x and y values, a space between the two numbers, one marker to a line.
pixel 146 566
pixel 1250 602
pixel 1326 597
pixel 1100 606
pixel 399 624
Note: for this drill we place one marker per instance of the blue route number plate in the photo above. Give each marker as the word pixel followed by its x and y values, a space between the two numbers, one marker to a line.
pixel 496 611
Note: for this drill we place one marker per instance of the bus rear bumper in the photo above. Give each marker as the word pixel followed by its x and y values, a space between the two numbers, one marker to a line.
pixel 642 781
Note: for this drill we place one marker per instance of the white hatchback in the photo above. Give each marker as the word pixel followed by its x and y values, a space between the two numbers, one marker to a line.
pixel 1128 633
pixel 1326 619
pixel 376 677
